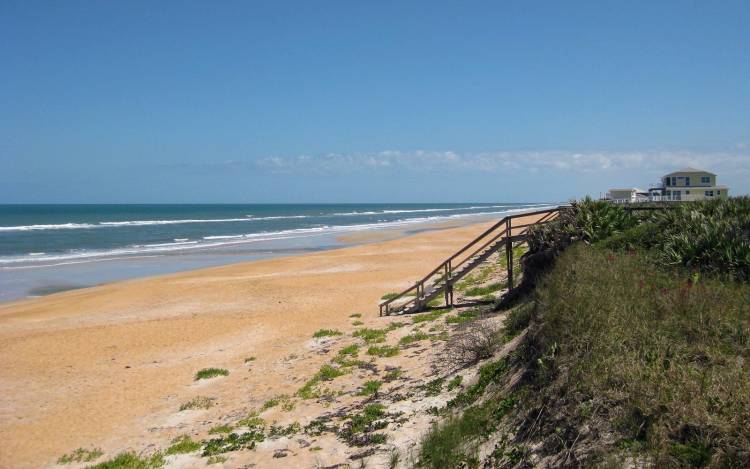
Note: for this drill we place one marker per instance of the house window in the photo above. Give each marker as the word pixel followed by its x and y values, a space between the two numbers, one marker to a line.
pixel 705 180
pixel 674 181
pixel 667 182
pixel 709 193
pixel 687 192
pixel 687 180
pixel 718 192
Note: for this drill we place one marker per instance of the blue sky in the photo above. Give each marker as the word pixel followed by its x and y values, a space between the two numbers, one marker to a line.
pixel 367 101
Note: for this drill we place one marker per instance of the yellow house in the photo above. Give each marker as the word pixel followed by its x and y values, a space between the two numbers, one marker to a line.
pixel 688 184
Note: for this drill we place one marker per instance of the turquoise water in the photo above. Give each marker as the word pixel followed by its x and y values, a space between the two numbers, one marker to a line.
pixel 44 248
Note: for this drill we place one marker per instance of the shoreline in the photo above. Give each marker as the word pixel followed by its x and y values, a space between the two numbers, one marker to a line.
pixel 115 362
pixel 25 283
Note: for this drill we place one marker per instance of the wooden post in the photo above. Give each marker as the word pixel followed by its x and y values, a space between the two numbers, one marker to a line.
pixel 509 253
pixel 446 280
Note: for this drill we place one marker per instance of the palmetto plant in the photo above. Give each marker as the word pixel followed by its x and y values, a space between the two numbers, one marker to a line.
pixel 711 236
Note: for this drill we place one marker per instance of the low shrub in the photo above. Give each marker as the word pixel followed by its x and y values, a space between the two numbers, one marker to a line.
pixel 199 402
pixel 326 333
pixel 207 373
pixel 130 460
pixel 80 455
pixel 384 351
pixel 183 444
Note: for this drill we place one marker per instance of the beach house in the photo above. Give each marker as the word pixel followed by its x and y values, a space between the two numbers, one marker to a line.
pixel 687 184
pixel 683 185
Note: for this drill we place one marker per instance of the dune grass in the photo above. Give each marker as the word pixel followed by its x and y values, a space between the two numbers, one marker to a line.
pixel 327 333
pixel 183 444
pixel 198 402
pixel 668 351
pixel 80 455
pixel 383 351
pixel 370 387
pixel 207 373
pixel 130 460
pixel 219 429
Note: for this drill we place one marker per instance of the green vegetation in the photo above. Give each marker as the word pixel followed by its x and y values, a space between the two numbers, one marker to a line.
pixel 80 455
pixel 355 315
pixel 326 373
pixel 252 421
pixel 435 302
pixel 357 323
pixel 207 373
pixel 283 399
pixel 218 429
pixel 216 460
pixel 463 316
pixel 371 336
pixel 249 359
pixel 453 442
pixel 490 373
pixel 358 430
pixel 232 442
pixel 199 402
pixel 393 375
pixel 518 319
pixel 669 352
pixel 415 337
pixel 132 461
pixel 429 316
pixel 352 350
pixel 640 332
pixel 326 333
pixel 389 296
pixel 272 402
pixel 384 351
pixel 280 430
pixel 454 383
pixel 370 388
pixel 183 444
pixel 710 236
pixel 434 387
pixel 486 290
pixel 237 441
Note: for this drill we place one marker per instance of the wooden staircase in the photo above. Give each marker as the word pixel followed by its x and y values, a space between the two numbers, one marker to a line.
pixel 501 235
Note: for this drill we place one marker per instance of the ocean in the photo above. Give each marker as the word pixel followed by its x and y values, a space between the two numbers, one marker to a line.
pixel 48 248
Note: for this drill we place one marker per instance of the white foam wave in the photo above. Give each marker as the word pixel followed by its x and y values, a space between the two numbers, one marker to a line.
pixel 62 226
pixel 42 259
pixel 247 218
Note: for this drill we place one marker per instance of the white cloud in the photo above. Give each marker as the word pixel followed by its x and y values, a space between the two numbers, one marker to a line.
pixel 494 161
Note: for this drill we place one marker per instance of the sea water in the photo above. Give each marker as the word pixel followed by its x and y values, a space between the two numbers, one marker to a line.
pixel 47 248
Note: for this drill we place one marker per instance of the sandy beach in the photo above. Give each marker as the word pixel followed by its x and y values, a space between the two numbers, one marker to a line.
pixel 108 366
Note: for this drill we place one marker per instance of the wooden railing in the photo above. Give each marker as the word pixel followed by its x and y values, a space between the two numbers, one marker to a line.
pixel 499 235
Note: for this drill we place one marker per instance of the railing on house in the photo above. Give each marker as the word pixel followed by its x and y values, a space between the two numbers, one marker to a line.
pixel 442 278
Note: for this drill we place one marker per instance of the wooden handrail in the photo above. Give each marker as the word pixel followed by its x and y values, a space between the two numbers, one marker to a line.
pixel 446 264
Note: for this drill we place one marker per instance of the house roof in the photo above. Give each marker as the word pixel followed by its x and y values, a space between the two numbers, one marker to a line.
pixel 628 189
pixel 690 170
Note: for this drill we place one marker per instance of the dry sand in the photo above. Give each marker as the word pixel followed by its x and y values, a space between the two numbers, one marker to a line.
pixel 109 366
